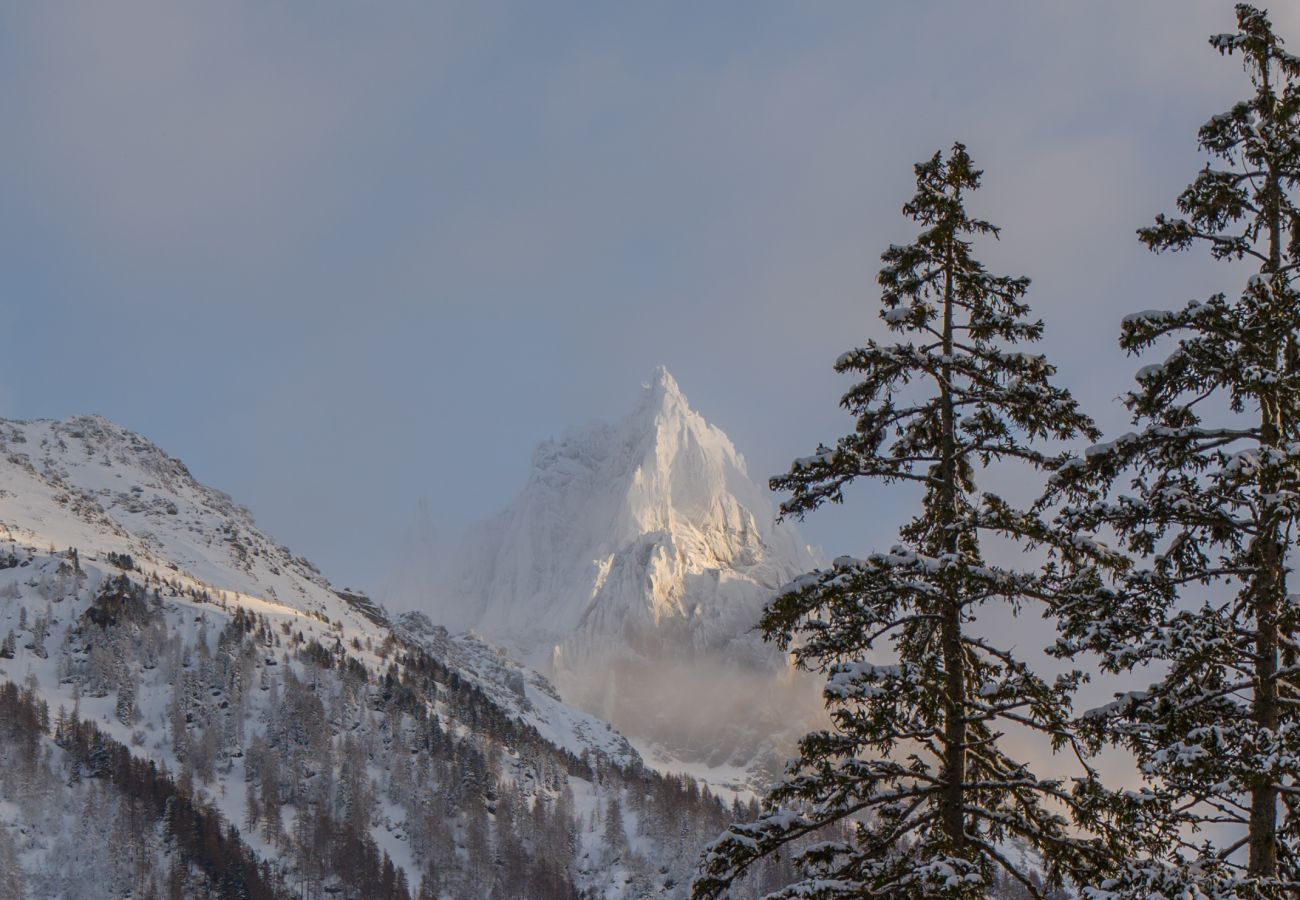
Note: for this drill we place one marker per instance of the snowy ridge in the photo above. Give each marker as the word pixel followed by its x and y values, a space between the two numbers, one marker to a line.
pixel 526 693
pixel 91 484
pixel 632 569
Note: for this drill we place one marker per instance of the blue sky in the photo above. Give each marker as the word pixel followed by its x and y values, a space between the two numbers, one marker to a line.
pixel 340 257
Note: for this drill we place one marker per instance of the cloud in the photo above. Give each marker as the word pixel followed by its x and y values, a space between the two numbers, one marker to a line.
pixel 447 231
pixel 195 135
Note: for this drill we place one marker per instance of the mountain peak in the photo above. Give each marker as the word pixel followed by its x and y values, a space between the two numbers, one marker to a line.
pixel 661 384
pixel 638 547
pixel 662 398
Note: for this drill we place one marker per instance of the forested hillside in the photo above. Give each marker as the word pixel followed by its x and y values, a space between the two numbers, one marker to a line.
pixel 350 764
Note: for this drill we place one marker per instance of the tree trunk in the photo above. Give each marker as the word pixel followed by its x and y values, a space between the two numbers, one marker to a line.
pixel 1264 796
pixel 1269 583
pixel 954 737
pixel 1265 711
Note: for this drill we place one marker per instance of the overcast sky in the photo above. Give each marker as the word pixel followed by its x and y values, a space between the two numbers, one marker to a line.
pixel 340 257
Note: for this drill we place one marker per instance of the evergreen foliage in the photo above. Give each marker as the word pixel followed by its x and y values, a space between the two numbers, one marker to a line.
pixel 1208 508
pixel 114 785
pixel 917 757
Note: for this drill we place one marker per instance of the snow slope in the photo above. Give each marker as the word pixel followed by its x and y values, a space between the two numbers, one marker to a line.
pixel 632 569
pixel 93 485
pixel 515 687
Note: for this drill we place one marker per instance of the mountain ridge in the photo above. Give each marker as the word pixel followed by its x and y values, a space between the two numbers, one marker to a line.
pixel 89 483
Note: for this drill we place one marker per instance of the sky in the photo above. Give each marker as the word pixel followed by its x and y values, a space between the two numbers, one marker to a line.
pixel 351 261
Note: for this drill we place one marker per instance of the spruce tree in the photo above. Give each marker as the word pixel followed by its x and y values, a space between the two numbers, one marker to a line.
pixel 917 758
pixel 1212 500
pixel 126 709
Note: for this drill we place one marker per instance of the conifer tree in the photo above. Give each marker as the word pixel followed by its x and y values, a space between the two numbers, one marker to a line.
pixel 125 708
pixel 1207 506
pixel 615 838
pixel 252 809
pixel 916 757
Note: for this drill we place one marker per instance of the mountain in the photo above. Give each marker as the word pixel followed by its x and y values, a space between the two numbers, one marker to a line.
pixel 191 709
pixel 632 569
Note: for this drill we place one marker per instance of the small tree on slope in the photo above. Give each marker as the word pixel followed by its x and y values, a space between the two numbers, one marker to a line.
pixel 916 757
pixel 1215 497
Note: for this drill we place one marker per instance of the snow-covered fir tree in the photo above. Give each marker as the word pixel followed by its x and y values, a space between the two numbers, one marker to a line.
pixel 1205 496
pixel 916 758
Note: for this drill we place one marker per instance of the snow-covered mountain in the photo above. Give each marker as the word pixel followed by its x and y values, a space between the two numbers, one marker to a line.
pixel 89 484
pixel 632 569
pixel 354 752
